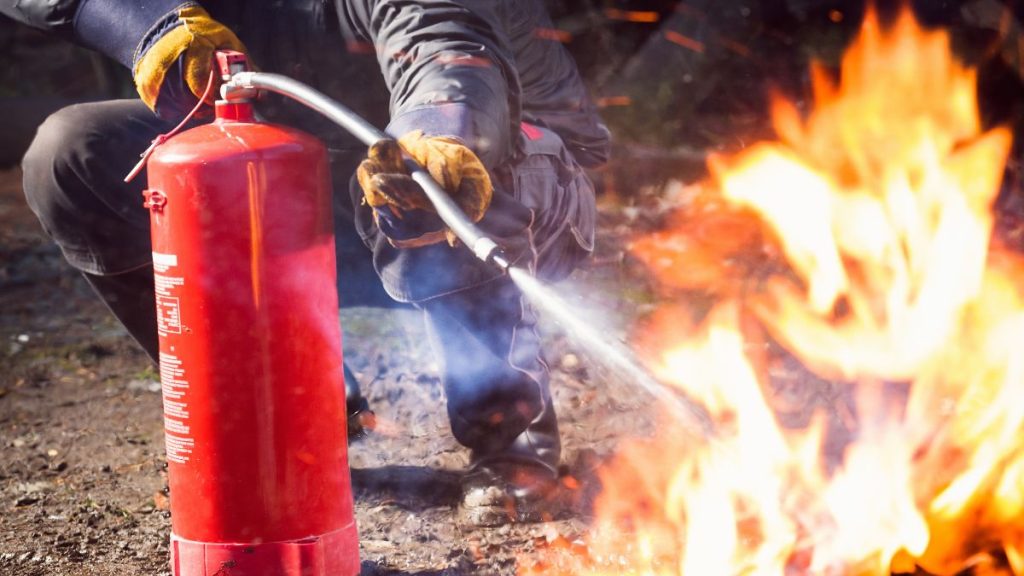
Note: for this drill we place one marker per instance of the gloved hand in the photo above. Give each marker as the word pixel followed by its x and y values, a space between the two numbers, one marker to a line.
pixel 173 66
pixel 392 193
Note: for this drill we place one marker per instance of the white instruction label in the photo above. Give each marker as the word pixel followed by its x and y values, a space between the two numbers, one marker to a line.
pixel 173 375
pixel 161 262
pixel 177 432
pixel 168 304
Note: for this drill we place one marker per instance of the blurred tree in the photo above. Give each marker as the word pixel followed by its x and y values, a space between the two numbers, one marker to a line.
pixel 675 78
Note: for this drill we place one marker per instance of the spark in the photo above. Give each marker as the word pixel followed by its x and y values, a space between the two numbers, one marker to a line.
pixel 684 41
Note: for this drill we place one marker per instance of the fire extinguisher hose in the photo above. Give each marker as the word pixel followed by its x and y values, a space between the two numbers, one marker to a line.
pixel 243 83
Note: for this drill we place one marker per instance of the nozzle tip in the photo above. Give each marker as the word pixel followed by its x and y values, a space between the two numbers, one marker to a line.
pixel 499 260
pixel 488 251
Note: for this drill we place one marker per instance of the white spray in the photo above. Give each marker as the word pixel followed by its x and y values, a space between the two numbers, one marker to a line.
pixel 613 353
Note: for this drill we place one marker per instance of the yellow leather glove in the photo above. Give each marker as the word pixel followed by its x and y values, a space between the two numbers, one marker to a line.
pixel 193 42
pixel 386 183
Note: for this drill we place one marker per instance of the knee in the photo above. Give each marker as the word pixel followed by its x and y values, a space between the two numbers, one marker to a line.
pixel 63 145
pixel 60 140
pixel 48 159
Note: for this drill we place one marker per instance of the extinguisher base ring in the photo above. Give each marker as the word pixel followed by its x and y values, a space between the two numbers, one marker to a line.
pixel 332 554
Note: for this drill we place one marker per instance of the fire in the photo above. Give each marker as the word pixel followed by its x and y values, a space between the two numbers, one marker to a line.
pixel 860 243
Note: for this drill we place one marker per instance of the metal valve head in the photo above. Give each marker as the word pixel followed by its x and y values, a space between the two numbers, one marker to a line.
pixel 230 63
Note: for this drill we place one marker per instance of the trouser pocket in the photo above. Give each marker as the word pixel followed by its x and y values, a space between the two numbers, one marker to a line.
pixel 547 180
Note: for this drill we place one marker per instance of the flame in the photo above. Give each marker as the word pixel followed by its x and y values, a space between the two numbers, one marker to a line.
pixel 860 244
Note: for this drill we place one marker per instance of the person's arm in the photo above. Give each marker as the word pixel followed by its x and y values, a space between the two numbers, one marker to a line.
pixel 50 15
pixel 116 28
pixel 448 69
pixel 167 44
pixel 454 108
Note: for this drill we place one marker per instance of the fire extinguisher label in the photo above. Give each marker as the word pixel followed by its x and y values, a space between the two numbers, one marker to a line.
pixel 177 432
pixel 173 378
pixel 168 306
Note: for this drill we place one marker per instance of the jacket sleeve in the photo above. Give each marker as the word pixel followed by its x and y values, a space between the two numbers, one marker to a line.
pixel 50 15
pixel 117 28
pixel 448 69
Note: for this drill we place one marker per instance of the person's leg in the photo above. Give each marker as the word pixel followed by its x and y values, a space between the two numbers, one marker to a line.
pixel 495 379
pixel 494 376
pixel 130 297
pixel 358 286
pixel 74 182
pixel 358 283
pixel 499 403
pixel 477 322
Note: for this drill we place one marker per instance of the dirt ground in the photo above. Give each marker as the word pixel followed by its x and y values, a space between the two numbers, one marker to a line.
pixel 83 487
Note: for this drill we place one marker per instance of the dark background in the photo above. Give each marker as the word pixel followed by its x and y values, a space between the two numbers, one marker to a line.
pixel 674 79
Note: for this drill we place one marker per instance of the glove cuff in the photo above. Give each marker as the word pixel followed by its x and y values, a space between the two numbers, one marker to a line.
pixel 151 69
pixel 416 228
pixel 477 130
pixel 121 28
pixel 186 39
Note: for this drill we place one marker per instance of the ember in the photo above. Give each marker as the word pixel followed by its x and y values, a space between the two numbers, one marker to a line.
pixel 861 244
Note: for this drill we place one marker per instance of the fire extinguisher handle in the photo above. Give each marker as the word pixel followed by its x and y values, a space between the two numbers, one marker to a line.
pixel 241 84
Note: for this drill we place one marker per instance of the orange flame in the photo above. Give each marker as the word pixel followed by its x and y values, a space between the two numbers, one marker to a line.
pixel 860 244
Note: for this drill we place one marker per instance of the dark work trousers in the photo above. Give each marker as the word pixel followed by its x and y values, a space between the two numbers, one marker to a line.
pixel 495 379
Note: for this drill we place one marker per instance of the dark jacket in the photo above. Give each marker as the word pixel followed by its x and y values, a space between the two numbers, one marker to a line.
pixel 472 69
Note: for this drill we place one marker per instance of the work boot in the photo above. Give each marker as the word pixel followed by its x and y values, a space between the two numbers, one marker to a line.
pixel 519 484
pixel 359 418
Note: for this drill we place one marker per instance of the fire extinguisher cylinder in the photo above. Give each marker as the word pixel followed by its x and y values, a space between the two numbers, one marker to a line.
pixel 250 351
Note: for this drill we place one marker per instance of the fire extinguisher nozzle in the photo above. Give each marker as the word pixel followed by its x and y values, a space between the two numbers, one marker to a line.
pixel 488 251
pixel 499 260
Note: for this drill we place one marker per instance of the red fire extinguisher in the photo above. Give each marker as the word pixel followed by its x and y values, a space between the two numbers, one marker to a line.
pixel 250 351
